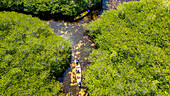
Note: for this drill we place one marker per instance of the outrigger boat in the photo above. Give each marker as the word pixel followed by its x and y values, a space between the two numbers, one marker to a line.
pixel 81 15
pixel 78 72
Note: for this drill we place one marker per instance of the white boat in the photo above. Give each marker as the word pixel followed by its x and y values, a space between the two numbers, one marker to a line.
pixel 78 73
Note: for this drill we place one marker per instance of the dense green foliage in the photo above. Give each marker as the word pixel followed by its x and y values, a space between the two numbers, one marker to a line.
pixel 31 56
pixel 133 50
pixel 66 7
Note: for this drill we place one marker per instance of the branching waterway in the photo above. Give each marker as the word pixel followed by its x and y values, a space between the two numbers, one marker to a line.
pixel 80 43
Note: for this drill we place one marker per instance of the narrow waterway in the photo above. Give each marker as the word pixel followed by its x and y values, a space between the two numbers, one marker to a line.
pixel 80 43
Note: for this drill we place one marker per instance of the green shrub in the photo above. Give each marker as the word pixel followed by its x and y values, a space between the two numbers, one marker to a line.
pixel 133 55
pixel 66 7
pixel 31 56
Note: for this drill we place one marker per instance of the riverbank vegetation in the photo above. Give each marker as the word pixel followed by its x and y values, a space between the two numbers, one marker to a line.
pixel 31 56
pixel 133 50
pixel 65 7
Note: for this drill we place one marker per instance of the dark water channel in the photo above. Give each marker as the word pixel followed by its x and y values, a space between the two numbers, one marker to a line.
pixel 80 42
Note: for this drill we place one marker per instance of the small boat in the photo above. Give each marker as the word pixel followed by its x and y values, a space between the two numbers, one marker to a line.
pixel 81 15
pixel 78 72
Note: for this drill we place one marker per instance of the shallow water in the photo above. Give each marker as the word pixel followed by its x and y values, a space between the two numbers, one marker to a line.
pixel 80 43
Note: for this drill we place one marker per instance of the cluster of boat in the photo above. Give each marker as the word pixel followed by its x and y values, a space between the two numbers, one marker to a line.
pixel 77 64
pixel 78 72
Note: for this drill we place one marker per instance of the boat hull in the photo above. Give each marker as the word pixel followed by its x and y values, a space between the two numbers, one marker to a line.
pixel 82 15
pixel 78 72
